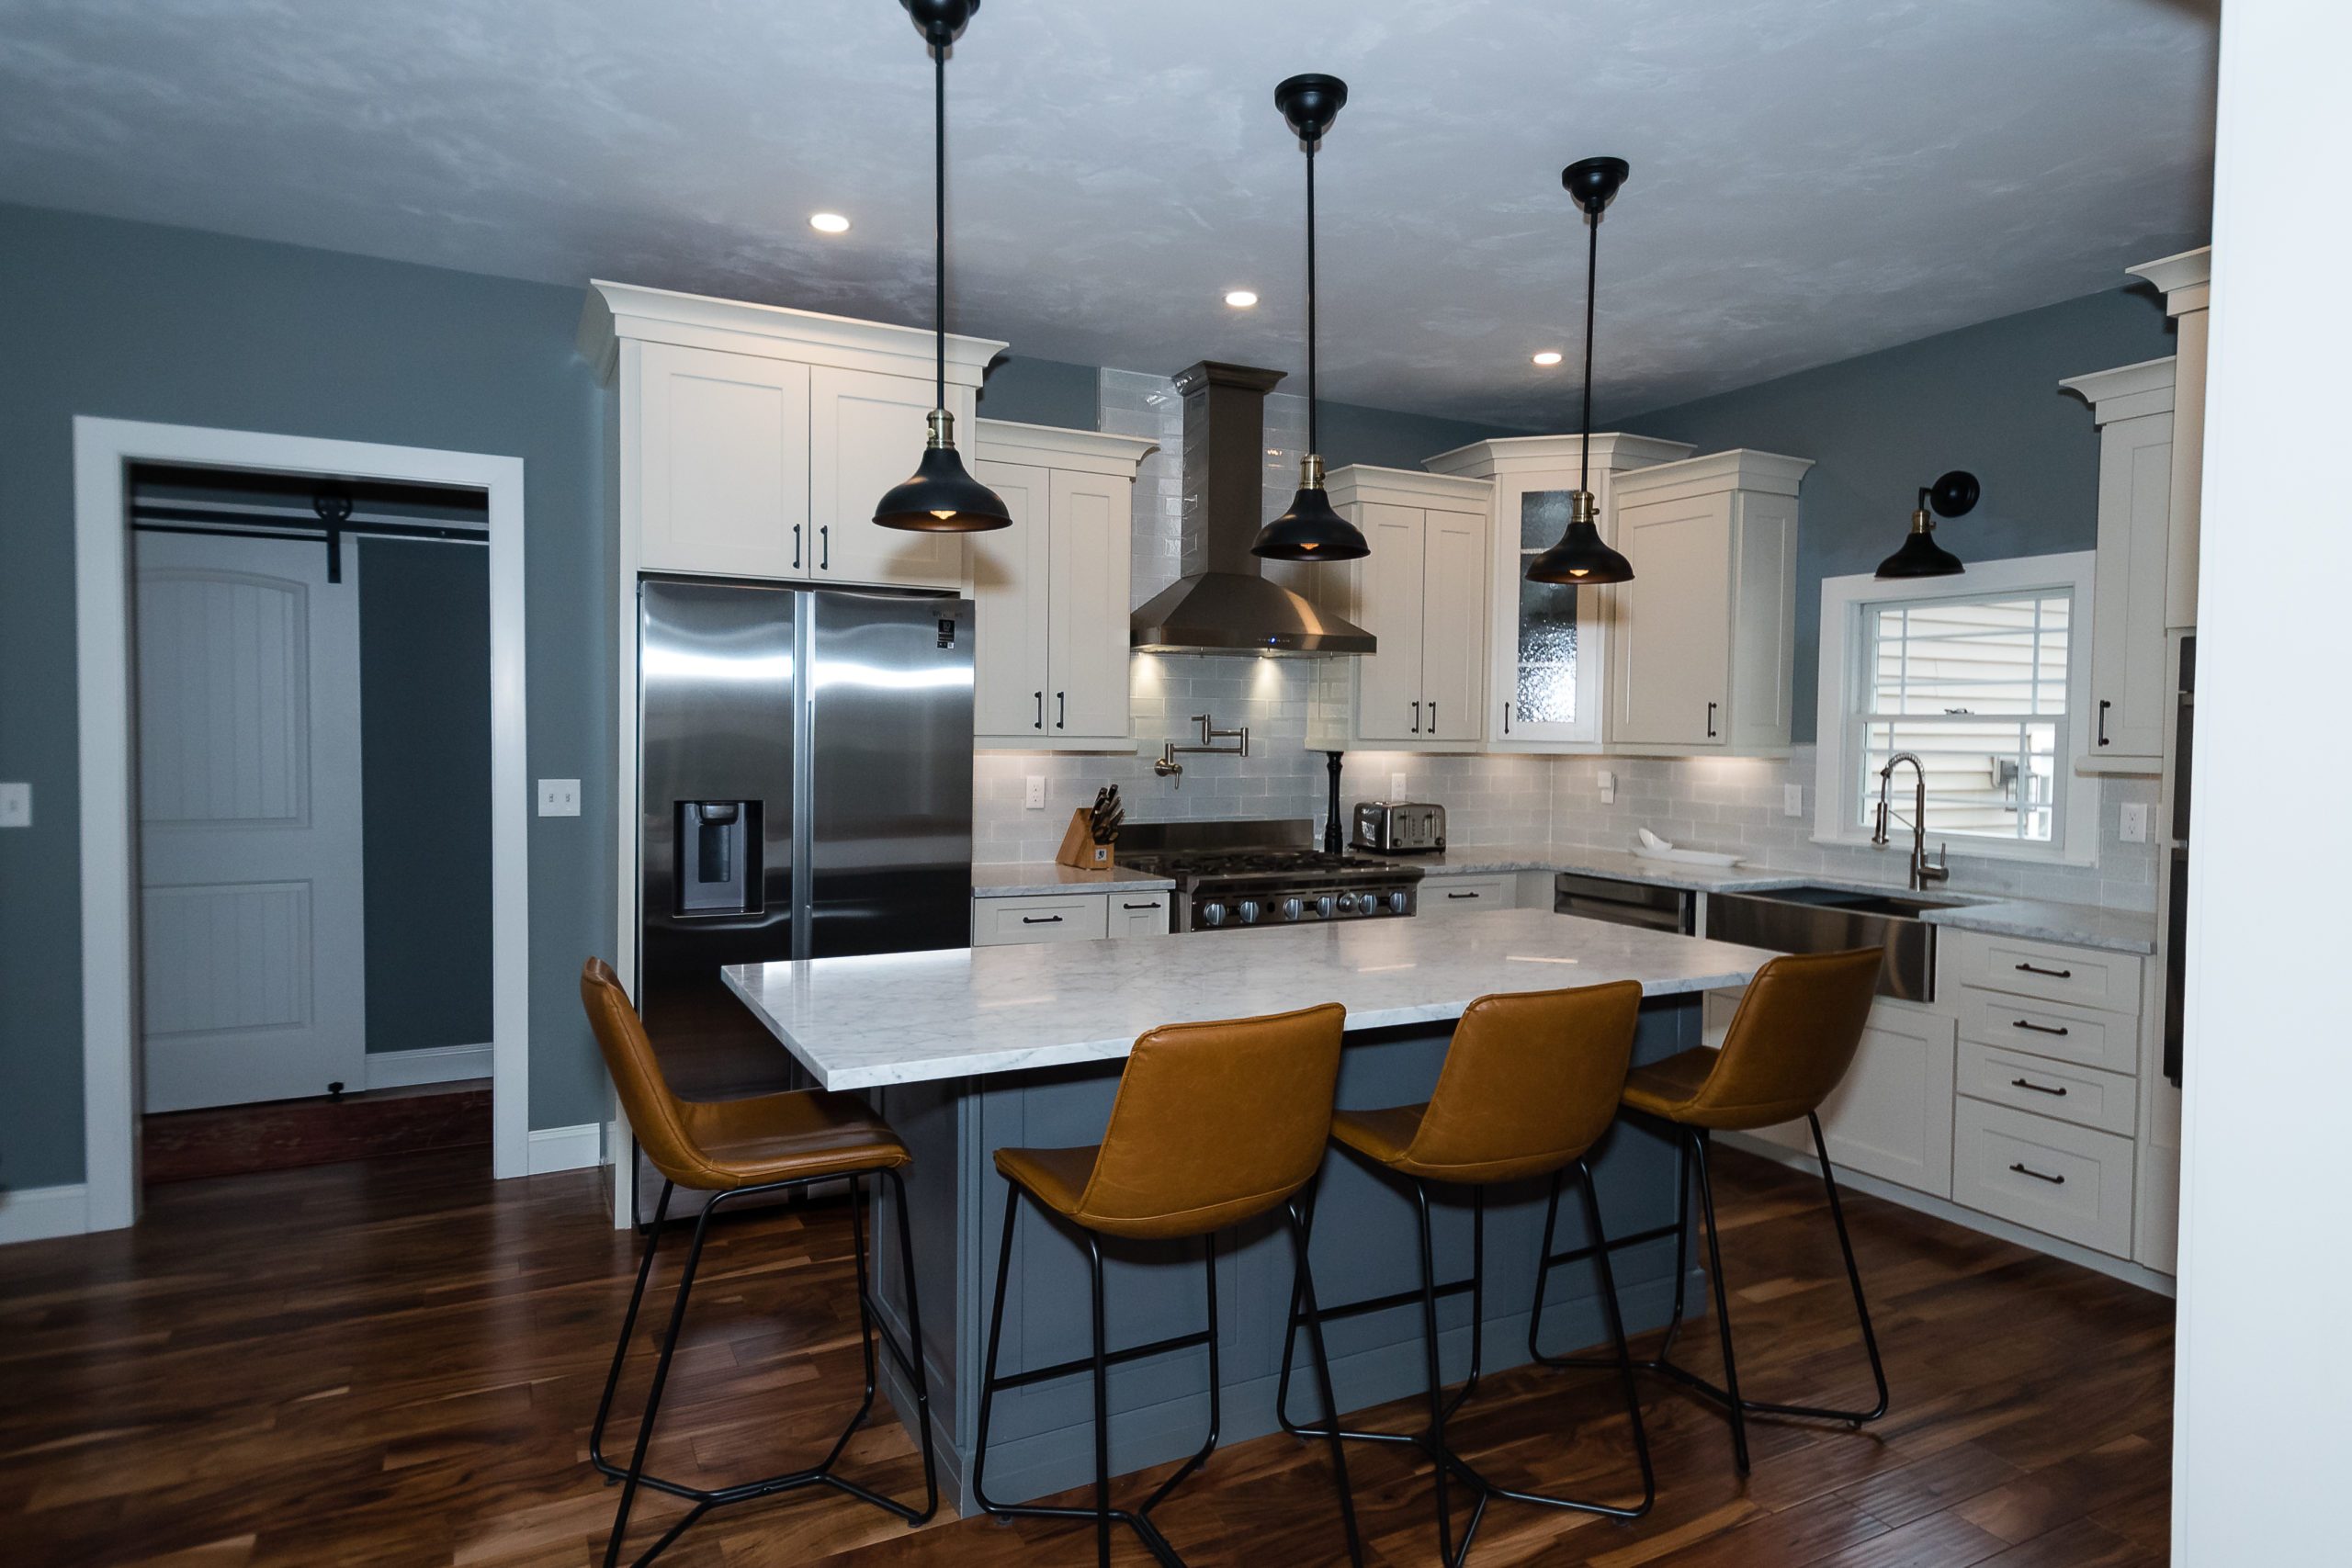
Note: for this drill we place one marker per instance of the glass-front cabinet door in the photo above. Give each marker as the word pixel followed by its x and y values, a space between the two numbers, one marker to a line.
pixel 1548 643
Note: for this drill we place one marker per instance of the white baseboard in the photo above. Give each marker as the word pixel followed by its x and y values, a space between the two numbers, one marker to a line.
pixel 35 1213
pixel 432 1063
pixel 567 1148
pixel 2121 1269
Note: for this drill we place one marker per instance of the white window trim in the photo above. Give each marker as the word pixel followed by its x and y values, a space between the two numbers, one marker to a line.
pixel 1837 755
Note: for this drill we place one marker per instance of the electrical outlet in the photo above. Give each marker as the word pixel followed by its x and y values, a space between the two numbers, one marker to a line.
pixel 15 805
pixel 1036 798
pixel 1396 786
pixel 2133 829
pixel 1792 800
pixel 559 797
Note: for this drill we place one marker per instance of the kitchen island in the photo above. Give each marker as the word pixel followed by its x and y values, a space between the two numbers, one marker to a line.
pixel 969 1050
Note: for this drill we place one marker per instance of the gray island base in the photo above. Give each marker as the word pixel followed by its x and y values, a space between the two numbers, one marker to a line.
pixel 967 1051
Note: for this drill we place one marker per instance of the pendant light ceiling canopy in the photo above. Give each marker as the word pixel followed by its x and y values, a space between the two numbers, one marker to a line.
pixel 941 498
pixel 1582 558
pixel 1310 530
pixel 1953 495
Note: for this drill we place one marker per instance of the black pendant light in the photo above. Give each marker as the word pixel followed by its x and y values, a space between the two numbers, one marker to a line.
pixel 941 498
pixel 1310 530
pixel 1581 557
pixel 1950 496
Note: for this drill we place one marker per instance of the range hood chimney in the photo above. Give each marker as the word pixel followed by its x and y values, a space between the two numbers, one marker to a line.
pixel 1221 604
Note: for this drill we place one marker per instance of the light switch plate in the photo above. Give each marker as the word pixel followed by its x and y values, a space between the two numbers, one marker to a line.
pixel 1396 786
pixel 1035 800
pixel 15 805
pixel 2133 827
pixel 559 797
pixel 1606 784
pixel 1792 800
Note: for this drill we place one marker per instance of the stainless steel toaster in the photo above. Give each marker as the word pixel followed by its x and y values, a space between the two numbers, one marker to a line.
pixel 1400 826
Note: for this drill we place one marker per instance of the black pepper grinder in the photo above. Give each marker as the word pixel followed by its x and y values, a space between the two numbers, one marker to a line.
pixel 1331 818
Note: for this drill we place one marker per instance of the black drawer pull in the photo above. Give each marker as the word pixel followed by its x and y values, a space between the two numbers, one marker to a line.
pixel 2051 974
pixel 2037 1088
pixel 1465 895
pixel 2023 1169
pixel 2036 1028
pixel 1041 919
pixel 1151 905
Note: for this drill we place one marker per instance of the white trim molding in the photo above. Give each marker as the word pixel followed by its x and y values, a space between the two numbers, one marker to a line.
pixel 1838 748
pixel 429 1063
pixel 35 1213
pixel 567 1148
pixel 103 449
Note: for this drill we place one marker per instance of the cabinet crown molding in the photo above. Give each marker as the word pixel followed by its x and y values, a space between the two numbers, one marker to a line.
pixel 1060 446
pixel 2128 391
pixel 2186 279
pixel 1360 481
pixel 616 310
pixel 1742 468
pixel 1515 454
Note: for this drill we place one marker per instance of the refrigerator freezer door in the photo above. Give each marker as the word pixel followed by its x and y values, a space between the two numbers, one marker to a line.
pixel 889 833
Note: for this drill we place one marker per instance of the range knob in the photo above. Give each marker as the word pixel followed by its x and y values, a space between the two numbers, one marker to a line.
pixel 1325 905
pixel 1249 911
pixel 1399 902
pixel 1293 908
pixel 1347 902
pixel 1212 914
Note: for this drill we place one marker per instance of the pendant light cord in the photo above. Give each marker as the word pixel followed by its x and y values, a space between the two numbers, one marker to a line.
pixel 1313 445
pixel 939 214
pixel 1592 271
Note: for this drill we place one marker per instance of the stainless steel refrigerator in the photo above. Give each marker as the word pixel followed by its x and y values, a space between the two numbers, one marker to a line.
pixel 805 790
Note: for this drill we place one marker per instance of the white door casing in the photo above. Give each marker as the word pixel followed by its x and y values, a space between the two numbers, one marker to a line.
pixel 252 933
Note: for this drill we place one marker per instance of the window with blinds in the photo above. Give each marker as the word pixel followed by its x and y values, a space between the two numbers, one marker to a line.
pixel 1976 689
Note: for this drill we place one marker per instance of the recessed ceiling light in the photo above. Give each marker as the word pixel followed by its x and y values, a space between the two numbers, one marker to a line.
pixel 1241 298
pixel 1549 357
pixel 829 222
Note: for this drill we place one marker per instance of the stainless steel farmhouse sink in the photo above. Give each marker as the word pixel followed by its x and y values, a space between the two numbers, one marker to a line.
pixel 1832 920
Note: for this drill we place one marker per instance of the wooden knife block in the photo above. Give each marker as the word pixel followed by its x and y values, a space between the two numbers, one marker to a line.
pixel 1078 848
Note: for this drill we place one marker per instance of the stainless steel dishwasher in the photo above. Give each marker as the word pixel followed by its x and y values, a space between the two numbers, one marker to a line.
pixel 1622 903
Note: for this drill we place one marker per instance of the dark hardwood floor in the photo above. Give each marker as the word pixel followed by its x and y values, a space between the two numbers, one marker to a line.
pixel 395 1362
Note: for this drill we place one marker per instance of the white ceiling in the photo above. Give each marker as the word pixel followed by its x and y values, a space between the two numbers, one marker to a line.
pixel 1812 179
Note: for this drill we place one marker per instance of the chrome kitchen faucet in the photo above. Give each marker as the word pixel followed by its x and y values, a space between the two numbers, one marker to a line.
pixel 1922 871
pixel 1169 765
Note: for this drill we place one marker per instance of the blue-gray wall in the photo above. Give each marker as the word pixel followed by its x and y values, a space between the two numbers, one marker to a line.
pixel 137 321
pixel 1984 398
pixel 1050 391
pixel 424 790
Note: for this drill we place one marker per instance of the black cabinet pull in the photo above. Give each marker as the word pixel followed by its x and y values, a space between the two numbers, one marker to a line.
pixel 825 537
pixel 2103 706
pixel 2037 1088
pixel 2024 1170
pixel 1416 718
pixel 1139 905
pixel 1041 919
pixel 1711 720
pixel 1506 719
pixel 2036 1028
pixel 1061 710
pixel 2047 973
pixel 1432 718
pixel 796 546
pixel 1041 708
pixel 1465 895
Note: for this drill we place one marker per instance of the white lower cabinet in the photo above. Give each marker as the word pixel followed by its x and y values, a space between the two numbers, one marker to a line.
pixel 1461 894
pixel 1068 917
pixel 2060 1090
pixel 2074 1182
pixel 1892 1115
pixel 1137 914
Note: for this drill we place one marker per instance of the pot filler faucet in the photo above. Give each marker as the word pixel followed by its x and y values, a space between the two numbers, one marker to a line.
pixel 1922 871
pixel 1169 765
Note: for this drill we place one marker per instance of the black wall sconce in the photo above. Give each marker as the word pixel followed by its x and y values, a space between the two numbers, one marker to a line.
pixel 1953 495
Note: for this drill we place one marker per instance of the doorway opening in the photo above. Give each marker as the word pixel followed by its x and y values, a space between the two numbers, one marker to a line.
pixel 313 755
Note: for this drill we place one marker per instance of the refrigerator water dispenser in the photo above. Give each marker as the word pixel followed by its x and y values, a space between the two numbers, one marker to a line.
pixel 718 857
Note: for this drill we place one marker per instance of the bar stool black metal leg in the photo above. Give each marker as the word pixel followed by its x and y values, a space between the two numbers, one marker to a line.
pixel 1441 1456
pixel 1853 1274
pixel 1101 1407
pixel 653 1403
pixel 1737 1408
pixel 1681 1242
pixel 1216 1402
pixel 1306 1294
pixel 914 1363
pixel 988 1363
pixel 1617 1336
pixel 628 1327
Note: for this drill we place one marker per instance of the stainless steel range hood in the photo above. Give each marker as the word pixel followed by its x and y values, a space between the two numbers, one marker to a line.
pixel 1221 604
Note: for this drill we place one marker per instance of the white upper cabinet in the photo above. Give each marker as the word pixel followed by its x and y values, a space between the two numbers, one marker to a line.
pixel 1051 592
pixel 2187 282
pixel 1423 593
pixel 755 441
pixel 1543 653
pixel 1701 644
pixel 2129 701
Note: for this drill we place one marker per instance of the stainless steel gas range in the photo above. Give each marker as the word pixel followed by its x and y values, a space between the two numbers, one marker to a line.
pixel 1232 875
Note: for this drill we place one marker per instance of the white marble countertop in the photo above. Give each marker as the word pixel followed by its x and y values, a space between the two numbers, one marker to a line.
pixel 915 1017
pixel 2083 925
pixel 1022 878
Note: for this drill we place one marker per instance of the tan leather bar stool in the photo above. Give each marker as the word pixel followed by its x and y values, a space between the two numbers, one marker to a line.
pixel 1531 1082
pixel 737 1148
pixel 1213 1125
pixel 1794 1035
